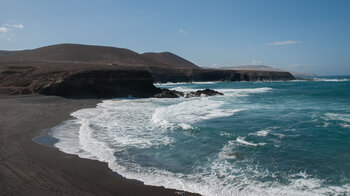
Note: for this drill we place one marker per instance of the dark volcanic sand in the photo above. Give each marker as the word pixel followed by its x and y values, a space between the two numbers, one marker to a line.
pixel 28 168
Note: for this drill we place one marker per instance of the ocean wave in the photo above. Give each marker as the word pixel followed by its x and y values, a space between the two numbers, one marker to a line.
pixel 181 83
pixel 184 89
pixel 340 117
pixel 345 125
pixel 171 83
pixel 243 141
pixel 331 80
pixel 262 133
pixel 220 178
pixel 214 82
pixel 69 139
pixel 190 111
pixel 246 90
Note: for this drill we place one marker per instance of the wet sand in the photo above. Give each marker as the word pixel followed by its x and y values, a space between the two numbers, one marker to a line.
pixel 29 168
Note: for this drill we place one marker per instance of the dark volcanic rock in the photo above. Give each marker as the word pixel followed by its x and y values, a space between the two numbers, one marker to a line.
pixel 102 84
pixel 74 81
pixel 166 93
pixel 206 92
pixel 202 75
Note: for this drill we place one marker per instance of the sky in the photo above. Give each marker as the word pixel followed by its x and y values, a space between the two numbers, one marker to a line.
pixel 310 36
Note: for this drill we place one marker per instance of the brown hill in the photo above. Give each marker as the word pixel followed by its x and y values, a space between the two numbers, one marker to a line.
pixel 4 53
pixel 77 53
pixel 170 59
pixel 264 68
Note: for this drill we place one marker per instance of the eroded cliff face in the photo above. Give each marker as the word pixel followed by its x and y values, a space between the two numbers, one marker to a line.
pixel 76 83
pixel 79 80
pixel 188 75
pixel 103 84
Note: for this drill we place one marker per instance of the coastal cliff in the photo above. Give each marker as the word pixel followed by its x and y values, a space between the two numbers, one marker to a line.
pixel 85 71
pixel 75 81
pixel 203 75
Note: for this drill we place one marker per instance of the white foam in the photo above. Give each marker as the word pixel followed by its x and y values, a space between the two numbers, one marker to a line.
pixel 280 135
pixel 184 89
pixel 227 179
pixel 243 141
pixel 68 135
pixel 225 134
pixel 341 117
pixel 345 125
pixel 185 126
pixel 331 80
pixel 171 83
pixel 247 90
pixel 221 178
pixel 261 133
pixel 206 82
pixel 190 111
pixel 181 83
pixel 243 92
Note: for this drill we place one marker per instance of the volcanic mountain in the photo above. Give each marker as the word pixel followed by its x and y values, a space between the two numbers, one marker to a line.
pixel 170 59
pixel 4 53
pixel 88 54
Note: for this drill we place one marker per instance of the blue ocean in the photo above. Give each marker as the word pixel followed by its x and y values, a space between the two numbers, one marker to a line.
pixel 259 138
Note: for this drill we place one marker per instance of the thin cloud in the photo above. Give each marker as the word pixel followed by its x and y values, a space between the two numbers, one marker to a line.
pixel 280 43
pixel 3 29
pixel 256 62
pixel 183 31
pixel 19 26
pixel 7 30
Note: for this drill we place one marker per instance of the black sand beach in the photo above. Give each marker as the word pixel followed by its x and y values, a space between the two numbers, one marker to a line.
pixel 29 168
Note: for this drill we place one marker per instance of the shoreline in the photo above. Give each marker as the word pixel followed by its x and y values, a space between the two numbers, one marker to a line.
pixel 30 168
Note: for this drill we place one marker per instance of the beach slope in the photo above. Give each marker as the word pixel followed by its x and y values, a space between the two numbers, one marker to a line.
pixel 29 168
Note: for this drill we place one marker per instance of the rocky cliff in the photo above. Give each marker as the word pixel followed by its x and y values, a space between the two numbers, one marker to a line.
pixel 189 75
pixel 75 82
pixel 84 71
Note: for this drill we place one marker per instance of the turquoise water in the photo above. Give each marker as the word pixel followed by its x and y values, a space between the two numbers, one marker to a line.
pixel 260 138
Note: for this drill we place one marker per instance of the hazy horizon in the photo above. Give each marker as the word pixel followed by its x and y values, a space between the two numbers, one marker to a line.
pixel 308 37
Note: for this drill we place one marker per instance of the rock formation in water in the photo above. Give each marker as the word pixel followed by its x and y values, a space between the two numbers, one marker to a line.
pixel 206 92
pixel 166 93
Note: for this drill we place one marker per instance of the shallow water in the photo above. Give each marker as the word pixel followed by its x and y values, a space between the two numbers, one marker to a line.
pixel 260 138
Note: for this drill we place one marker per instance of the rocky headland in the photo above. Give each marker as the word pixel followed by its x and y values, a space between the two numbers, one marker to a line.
pixel 83 71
